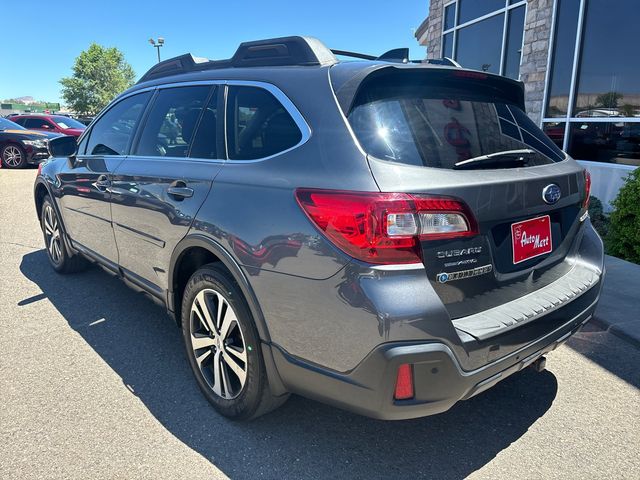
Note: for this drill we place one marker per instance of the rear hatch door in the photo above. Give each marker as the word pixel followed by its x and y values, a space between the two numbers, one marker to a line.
pixel 445 132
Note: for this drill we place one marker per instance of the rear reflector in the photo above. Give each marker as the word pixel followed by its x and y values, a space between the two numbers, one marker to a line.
pixel 587 189
pixel 404 382
pixel 385 228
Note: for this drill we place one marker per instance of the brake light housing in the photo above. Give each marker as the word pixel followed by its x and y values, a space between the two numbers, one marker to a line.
pixel 385 228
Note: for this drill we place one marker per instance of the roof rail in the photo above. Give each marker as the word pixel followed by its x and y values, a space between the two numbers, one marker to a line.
pixel 400 55
pixel 281 51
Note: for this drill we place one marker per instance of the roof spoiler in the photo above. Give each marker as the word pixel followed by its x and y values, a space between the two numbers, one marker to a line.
pixel 281 51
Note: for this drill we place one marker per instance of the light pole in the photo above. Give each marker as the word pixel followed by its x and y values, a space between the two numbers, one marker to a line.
pixel 157 45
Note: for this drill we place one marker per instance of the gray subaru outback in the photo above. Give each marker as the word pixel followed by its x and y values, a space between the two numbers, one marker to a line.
pixel 383 235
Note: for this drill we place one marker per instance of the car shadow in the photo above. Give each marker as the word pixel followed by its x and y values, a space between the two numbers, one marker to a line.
pixel 301 439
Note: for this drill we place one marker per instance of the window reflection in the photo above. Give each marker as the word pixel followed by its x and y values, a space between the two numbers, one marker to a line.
pixel 563 51
pixel 449 16
pixel 617 142
pixel 609 69
pixel 470 9
pixel 447 45
pixel 514 43
pixel 479 45
pixel 555 131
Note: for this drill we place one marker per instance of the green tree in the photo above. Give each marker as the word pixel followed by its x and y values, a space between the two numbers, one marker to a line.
pixel 609 99
pixel 99 74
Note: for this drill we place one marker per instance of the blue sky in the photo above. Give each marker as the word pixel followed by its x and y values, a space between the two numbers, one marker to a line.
pixel 46 37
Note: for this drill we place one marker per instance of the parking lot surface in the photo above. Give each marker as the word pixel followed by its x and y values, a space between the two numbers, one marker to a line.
pixel 94 384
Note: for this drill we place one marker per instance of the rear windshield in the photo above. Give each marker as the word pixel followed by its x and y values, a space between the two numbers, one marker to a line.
pixel 439 126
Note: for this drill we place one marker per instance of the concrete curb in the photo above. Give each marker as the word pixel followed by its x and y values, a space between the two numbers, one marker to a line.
pixel 618 311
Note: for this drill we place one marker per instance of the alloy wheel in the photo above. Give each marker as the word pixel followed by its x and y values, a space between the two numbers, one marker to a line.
pixel 218 344
pixel 12 156
pixel 52 234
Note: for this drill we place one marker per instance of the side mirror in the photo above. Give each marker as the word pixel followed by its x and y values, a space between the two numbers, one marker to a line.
pixel 64 146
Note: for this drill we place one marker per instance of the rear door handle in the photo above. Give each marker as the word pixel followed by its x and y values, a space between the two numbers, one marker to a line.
pixel 179 189
pixel 102 183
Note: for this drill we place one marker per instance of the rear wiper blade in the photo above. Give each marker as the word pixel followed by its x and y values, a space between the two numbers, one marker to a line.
pixel 493 156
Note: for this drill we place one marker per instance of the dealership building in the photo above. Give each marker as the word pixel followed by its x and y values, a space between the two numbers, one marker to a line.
pixel 578 60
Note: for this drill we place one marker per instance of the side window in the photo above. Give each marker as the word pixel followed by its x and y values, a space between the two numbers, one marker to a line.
pixel 82 146
pixel 36 123
pixel 172 121
pixel 205 139
pixel 257 124
pixel 111 134
pixel 19 121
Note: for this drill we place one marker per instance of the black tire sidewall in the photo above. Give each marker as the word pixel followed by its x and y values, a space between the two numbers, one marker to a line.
pixel 58 267
pixel 23 156
pixel 217 278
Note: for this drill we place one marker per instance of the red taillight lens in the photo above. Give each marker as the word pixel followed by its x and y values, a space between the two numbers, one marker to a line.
pixel 587 189
pixel 404 382
pixel 385 228
pixel 39 168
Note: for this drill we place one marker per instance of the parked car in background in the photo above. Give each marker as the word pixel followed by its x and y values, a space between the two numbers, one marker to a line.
pixel 20 147
pixel 386 236
pixel 51 123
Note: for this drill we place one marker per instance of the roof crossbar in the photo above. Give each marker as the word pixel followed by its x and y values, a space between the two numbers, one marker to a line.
pixel 400 55
pixel 261 53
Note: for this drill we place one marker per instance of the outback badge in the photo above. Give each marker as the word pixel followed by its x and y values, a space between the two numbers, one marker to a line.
pixel 445 277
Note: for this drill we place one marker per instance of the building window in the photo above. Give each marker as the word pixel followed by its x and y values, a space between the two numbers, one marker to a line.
pixel 485 35
pixel 593 90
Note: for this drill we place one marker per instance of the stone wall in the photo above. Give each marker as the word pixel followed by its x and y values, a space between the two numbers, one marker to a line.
pixel 533 67
pixel 535 53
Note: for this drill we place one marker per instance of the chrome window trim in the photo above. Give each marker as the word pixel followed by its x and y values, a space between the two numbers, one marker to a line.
pixel 288 105
pixel 285 101
pixel 109 106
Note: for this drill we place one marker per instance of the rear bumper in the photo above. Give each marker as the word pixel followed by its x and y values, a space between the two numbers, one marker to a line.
pixel 439 378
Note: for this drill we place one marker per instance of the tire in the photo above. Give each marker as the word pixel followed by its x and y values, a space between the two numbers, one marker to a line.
pixel 240 391
pixel 59 257
pixel 13 156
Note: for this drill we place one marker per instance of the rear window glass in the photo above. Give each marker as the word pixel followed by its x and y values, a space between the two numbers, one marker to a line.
pixel 436 126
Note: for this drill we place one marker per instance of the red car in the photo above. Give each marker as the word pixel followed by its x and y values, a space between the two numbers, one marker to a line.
pixel 51 123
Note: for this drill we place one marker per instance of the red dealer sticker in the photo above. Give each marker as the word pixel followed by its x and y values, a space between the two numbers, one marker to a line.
pixel 531 238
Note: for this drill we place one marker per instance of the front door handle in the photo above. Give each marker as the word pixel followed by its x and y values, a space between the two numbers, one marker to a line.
pixel 180 190
pixel 102 183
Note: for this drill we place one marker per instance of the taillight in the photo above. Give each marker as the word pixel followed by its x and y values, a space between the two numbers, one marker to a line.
pixel 39 168
pixel 404 383
pixel 587 189
pixel 385 228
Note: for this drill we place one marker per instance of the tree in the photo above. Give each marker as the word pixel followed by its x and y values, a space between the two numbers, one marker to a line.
pixel 99 74
pixel 609 99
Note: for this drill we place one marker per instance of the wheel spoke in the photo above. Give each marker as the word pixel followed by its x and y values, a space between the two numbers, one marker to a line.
pixel 242 356
pixel 202 357
pixel 235 368
pixel 201 341
pixel 216 374
pixel 56 248
pixel 221 304
pixel 227 320
pixel 226 382
pixel 204 308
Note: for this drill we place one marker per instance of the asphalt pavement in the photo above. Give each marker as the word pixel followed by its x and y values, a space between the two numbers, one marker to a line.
pixel 94 384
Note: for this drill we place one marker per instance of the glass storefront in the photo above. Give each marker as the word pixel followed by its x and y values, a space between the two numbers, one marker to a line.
pixel 594 90
pixel 485 35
